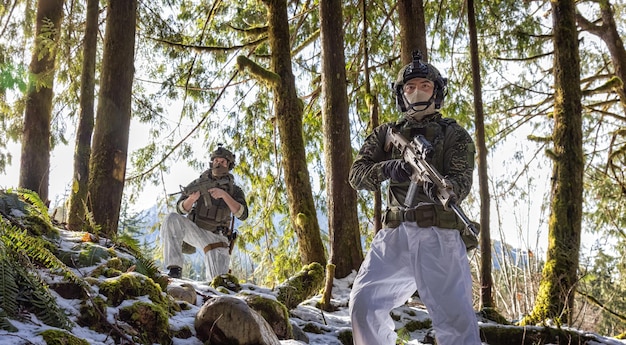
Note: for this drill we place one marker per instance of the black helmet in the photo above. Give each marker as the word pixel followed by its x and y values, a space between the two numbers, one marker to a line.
pixel 224 153
pixel 419 69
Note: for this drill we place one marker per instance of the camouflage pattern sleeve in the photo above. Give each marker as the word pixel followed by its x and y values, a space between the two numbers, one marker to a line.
pixel 458 160
pixel 240 197
pixel 366 171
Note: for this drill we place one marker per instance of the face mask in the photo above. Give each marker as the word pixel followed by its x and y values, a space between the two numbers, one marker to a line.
pixel 219 170
pixel 419 104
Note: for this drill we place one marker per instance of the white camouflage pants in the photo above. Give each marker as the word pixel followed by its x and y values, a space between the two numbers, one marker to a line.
pixel 176 229
pixel 432 261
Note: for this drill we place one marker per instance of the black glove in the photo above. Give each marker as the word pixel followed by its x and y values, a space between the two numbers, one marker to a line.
pixel 430 189
pixel 398 170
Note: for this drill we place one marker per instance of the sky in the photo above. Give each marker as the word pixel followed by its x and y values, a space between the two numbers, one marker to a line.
pixel 332 323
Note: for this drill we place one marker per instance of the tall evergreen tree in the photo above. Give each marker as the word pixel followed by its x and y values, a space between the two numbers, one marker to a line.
pixel 288 111
pixel 82 151
pixel 486 281
pixel 345 240
pixel 35 159
pixel 107 166
pixel 412 29
pixel 558 284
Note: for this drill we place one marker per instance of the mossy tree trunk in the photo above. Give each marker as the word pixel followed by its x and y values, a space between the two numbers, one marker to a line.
pixel 486 281
pixel 107 166
pixel 343 224
pixel 35 158
pixel 82 151
pixel 558 285
pixel 289 112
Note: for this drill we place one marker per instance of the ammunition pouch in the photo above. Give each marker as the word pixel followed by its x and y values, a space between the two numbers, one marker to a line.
pixel 431 215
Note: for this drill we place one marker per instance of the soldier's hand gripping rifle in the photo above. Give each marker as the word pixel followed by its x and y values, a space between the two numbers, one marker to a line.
pixel 415 153
pixel 202 185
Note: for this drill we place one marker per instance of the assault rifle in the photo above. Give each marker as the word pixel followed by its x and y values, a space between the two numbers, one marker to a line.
pixel 415 153
pixel 203 184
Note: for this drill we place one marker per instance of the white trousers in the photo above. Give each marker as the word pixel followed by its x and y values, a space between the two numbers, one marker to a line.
pixel 432 261
pixel 176 229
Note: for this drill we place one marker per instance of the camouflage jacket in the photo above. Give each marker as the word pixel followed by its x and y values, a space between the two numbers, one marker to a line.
pixel 453 158
pixel 216 216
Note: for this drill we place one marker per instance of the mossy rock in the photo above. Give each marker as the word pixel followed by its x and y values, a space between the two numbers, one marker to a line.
pixel 129 286
pixel 149 320
pixel 274 312
pixel 228 281
pixel 493 315
pixel 345 337
pixel 305 284
pixel 58 337
pixel 93 314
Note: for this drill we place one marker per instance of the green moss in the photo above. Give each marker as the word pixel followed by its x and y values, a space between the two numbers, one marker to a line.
pixel 93 314
pixel 414 325
pixel 493 315
pixel 303 285
pixel 345 337
pixel 92 254
pixel 149 320
pixel 274 312
pixel 312 328
pixel 130 285
pixel 58 337
pixel 227 281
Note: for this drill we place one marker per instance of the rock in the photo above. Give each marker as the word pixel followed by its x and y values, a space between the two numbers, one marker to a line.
pixel 274 312
pixel 185 292
pixel 229 320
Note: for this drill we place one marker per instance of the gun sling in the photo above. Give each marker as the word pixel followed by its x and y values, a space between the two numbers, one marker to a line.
pixel 424 216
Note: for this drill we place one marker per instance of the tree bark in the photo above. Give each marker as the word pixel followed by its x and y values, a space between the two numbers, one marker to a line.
pixel 343 224
pixel 35 159
pixel 412 29
pixel 371 100
pixel 486 281
pixel 110 142
pixel 558 284
pixel 288 110
pixel 82 150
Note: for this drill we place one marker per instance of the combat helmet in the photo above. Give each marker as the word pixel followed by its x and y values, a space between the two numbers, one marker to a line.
pixel 224 153
pixel 419 69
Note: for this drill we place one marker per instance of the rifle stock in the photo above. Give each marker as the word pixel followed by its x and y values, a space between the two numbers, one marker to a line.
pixel 415 153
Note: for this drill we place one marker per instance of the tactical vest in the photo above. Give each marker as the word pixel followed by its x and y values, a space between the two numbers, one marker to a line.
pixel 428 215
pixel 434 132
pixel 217 216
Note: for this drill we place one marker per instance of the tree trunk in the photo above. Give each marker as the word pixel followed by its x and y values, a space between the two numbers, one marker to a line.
pixel 412 29
pixel 608 33
pixel 82 151
pixel 110 142
pixel 486 281
pixel 345 238
pixel 35 159
pixel 558 285
pixel 372 105
pixel 288 110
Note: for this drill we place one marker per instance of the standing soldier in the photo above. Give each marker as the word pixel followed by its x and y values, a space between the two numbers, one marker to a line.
pixel 420 247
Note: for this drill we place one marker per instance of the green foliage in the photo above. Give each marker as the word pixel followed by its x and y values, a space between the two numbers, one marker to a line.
pixel 57 337
pixel 5 324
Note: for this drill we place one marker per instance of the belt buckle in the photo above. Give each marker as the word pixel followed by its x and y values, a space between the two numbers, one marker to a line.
pixel 410 215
